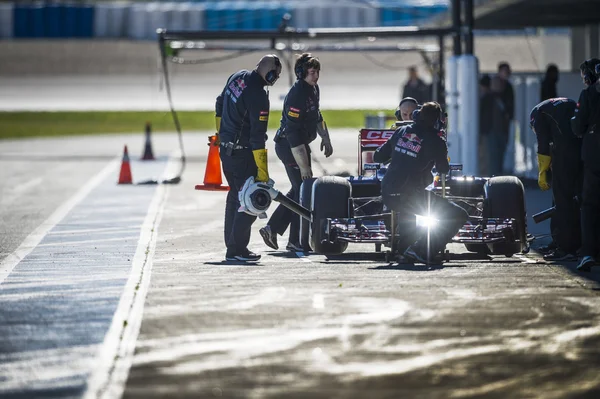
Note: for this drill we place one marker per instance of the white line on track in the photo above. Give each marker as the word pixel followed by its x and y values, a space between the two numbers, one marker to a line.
pixel 33 239
pixel 302 257
pixel 115 355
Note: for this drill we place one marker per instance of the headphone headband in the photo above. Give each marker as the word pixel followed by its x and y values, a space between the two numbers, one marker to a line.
pixel 301 69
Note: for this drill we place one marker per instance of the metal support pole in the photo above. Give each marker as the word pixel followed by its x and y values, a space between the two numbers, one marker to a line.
pixel 457 26
pixel 441 96
pixel 469 23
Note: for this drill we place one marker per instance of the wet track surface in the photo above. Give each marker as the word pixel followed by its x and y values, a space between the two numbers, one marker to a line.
pixel 290 325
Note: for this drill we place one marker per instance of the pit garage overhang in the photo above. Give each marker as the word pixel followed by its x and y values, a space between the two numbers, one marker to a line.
pixel 518 14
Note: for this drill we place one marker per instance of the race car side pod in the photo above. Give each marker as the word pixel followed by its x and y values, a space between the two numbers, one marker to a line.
pixel 543 215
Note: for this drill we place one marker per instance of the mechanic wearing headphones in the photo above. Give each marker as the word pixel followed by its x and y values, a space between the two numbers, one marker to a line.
pixel 301 121
pixel 586 124
pixel 559 150
pixel 242 115
pixel 411 150
pixel 406 108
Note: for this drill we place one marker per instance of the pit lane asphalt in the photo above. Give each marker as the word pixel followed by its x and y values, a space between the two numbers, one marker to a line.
pixel 299 326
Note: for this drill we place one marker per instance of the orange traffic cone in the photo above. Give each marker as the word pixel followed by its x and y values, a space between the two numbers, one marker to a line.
pixel 212 175
pixel 148 155
pixel 125 175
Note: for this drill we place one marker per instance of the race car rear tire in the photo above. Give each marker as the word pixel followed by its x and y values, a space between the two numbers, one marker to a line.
pixel 330 196
pixel 305 201
pixel 505 198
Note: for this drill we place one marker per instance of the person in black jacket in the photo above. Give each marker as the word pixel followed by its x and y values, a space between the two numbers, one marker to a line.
pixel 301 121
pixel 586 123
pixel 560 150
pixel 409 151
pixel 415 87
pixel 549 83
pixel 242 115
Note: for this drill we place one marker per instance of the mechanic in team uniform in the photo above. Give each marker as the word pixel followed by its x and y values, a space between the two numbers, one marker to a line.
pixel 410 151
pixel 405 109
pixel 301 121
pixel 559 150
pixel 242 115
pixel 586 124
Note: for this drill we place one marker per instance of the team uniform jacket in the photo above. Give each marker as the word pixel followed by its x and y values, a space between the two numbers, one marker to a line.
pixel 585 124
pixel 244 110
pixel 551 122
pixel 300 114
pixel 410 151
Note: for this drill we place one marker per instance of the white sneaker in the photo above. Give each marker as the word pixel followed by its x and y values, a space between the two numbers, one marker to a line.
pixel 586 264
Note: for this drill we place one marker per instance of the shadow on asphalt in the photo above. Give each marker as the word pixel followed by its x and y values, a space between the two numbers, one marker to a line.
pixel 233 263
pixel 411 267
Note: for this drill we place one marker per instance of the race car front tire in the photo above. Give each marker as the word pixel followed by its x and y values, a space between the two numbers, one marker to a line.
pixel 330 196
pixel 305 201
pixel 505 198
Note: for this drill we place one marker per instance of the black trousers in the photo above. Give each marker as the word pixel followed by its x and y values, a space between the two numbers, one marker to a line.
pixel 237 168
pixel 590 212
pixel 283 217
pixel 567 182
pixel 450 217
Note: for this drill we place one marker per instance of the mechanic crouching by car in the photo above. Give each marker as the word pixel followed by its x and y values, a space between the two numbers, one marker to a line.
pixel 301 121
pixel 242 115
pixel 586 123
pixel 411 150
pixel 559 150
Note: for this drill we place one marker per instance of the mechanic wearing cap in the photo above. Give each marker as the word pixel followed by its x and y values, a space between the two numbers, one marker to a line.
pixel 242 115
pixel 411 150
pixel 301 121
pixel 586 124
pixel 559 150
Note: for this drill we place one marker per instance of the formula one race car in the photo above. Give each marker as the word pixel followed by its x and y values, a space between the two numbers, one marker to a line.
pixel 336 211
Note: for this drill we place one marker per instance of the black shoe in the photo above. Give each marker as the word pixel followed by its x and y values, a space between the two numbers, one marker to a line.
pixel 560 255
pixel 546 249
pixel 247 256
pixel 294 247
pixel 586 264
pixel 269 237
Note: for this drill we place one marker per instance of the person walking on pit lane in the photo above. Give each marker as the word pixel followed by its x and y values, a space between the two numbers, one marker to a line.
pixel 242 115
pixel 560 150
pixel 586 123
pixel 301 121
pixel 410 150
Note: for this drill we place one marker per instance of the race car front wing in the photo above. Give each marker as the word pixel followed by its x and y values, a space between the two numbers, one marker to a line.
pixel 374 229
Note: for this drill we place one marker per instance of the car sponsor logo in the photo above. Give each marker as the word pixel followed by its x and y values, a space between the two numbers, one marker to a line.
pixel 376 134
pixel 371 166
pixel 293 114
pixel 263 118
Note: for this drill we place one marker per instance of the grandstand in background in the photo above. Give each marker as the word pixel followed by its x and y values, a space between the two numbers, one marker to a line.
pixel 138 20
